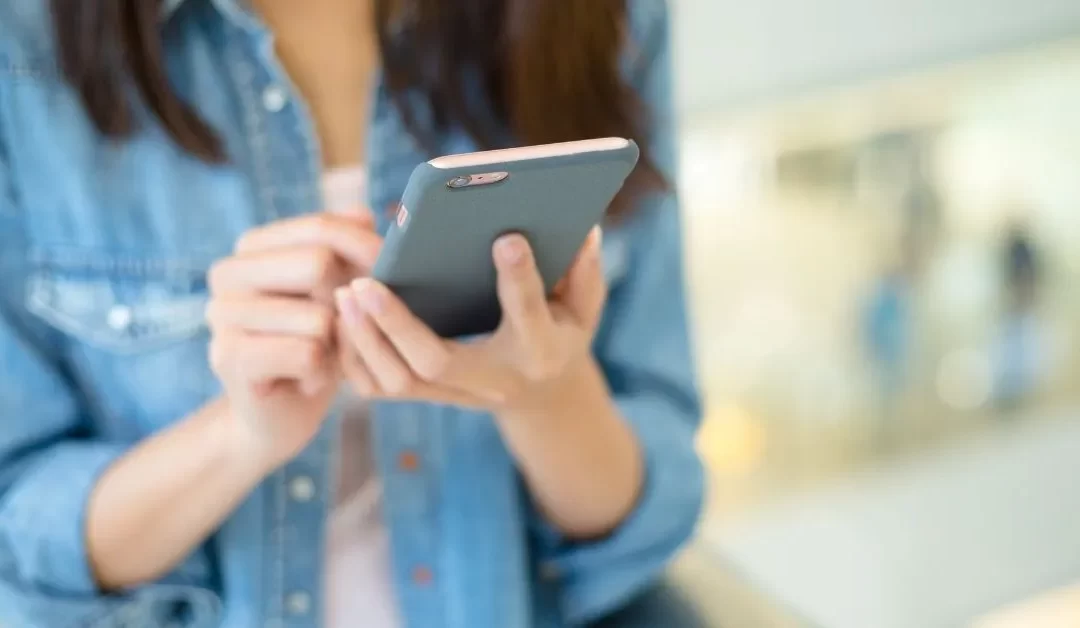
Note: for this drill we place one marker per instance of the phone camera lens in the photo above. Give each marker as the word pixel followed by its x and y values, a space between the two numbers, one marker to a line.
pixel 459 182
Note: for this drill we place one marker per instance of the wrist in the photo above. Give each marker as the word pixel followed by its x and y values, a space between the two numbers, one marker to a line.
pixel 243 451
pixel 581 382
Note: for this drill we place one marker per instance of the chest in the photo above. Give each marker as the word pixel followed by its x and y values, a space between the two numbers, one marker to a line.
pixel 119 235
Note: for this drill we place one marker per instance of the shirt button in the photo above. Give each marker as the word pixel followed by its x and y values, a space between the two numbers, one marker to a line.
pixel 408 461
pixel 120 317
pixel 549 571
pixel 274 98
pixel 302 489
pixel 298 603
pixel 422 576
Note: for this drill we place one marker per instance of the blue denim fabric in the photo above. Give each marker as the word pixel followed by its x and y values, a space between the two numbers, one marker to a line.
pixel 104 249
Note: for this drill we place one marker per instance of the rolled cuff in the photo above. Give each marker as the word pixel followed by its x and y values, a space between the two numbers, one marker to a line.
pixel 158 605
pixel 597 577
pixel 43 516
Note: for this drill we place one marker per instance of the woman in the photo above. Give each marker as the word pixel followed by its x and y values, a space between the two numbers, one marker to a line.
pixel 184 179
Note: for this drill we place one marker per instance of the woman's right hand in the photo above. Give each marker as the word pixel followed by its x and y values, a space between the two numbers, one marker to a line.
pixel 272 323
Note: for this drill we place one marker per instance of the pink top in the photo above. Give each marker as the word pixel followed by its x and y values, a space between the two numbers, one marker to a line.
pixel 359 585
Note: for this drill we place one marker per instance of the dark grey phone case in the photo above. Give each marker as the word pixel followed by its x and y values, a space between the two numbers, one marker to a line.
pixel 437 256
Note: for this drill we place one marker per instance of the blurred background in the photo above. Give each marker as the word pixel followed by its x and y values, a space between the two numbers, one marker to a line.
pixel 883 219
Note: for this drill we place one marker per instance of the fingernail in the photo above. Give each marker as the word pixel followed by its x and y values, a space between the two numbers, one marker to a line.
pixel 596 241
pixel 511 249
pixel 347 305
pixel 370 295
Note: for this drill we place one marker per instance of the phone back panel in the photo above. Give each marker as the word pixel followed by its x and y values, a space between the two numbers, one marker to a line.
pixel 437 256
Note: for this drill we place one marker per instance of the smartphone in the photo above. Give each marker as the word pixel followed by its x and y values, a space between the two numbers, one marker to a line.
pixel 437 256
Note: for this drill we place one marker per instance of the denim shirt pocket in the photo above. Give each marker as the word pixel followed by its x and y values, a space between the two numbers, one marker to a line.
pixel 133 331
pixel 115 315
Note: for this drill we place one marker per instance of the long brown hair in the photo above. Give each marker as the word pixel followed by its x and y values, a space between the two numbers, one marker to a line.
pixel 546 71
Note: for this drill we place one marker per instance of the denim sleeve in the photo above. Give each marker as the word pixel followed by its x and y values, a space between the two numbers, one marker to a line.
pixel 49 463
pixel 644 348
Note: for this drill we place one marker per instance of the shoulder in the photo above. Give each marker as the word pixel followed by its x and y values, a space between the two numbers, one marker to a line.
pixel 26 37
pixel 649 14
pixel 647 59
pixel 649 21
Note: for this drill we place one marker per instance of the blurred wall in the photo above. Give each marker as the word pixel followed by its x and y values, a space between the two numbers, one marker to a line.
pixel 735 53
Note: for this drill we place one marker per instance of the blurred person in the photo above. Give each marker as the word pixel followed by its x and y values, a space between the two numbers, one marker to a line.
pixel 164 171
pixel 1020 354
pixel 889 325
pixel 886 333
pixel 887 337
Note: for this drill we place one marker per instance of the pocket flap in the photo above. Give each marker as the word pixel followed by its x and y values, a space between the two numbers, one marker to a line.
pixel 122 315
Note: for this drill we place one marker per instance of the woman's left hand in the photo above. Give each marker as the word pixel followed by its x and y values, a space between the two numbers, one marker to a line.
pixel 389 353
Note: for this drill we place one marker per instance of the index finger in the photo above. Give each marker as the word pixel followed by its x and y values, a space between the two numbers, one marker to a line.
pixel 352 236
pixel 585 291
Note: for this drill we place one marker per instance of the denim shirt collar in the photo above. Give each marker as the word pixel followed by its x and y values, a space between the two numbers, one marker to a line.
pixel 168 7
pixel 238 11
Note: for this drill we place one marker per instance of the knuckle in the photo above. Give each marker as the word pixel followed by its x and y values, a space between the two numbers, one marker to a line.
pixel 215 277
pixel 530 296
pixel 360 380
pixel 245 241
pixel 325 227
pixel 527 307
pixel 399 383
pixel 310 355
pixel 498 396
pixel 324 223
pixel 323 261
pixel 434 366
pixel 361 386
pixel 323 266
pixel 533 372
pixel 319 222
pixel 218 356
pixel 505 392
pixel 534 304
pixel 212 313
pixel 323 322
pixel 544 367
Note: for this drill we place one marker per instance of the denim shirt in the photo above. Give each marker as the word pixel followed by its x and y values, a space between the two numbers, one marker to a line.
pixel 104 249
